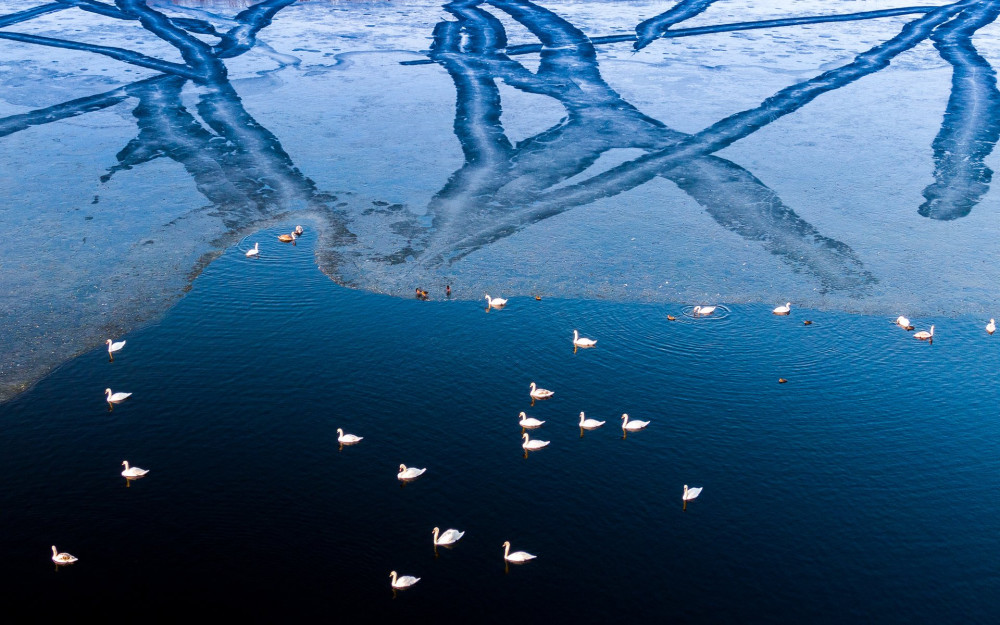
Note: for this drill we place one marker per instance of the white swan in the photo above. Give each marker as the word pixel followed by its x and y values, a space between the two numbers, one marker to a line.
pixel 495 302
pixel 298 231
pixel 924 335
pixel 783 310
pixel 540 393
pixel 590 424
pixel 255 251
pixel 690 494
pixel 703 310
pixel 634 425
pixel 582 342
pixel 528 422
pixel 991 327
pixel 114 398
pixel 517 556
pixel 410 473
pixel 902 321
pixel 403 582
pixel 62 557
pixel 113 346
pixel 131 472
pixel 347 439
pixel 532 445
pixel 449 537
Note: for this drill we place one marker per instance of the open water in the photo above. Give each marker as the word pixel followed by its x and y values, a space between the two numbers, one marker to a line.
pixel 864 488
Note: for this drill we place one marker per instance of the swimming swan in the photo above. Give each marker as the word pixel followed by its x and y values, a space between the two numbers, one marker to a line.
pixel 288 238
pixel 528 422
pixel 924 335
pixel 517 556
pixel 540 393
pixel 590 424
pixel 690 494
pixel 114 347
pixel 411 473
pixel 532 445
pixel 902 321
pixel 347 439
pixel 255 251
pixel 991 327
pixel 62 558
pixel 703 310
pixel 449 537
pixel 403 582
pixel 632 426
pixel 495 302
pixel 132 472
pixel 114 398
pixel 783 310
pixel 579 342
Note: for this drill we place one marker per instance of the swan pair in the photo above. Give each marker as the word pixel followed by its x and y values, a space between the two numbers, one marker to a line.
pixel 539 393
pixel 495 302
pixel 582 342
pixel 409 473
pixel 254 252
pixel 130 473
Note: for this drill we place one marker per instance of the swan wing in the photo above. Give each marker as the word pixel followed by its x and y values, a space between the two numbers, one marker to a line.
pixel 692 493
pixel 450 536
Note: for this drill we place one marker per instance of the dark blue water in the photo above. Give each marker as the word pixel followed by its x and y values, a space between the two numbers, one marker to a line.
pixel 863 489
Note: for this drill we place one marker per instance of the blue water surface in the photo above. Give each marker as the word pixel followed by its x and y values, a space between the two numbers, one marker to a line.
pixel 862 489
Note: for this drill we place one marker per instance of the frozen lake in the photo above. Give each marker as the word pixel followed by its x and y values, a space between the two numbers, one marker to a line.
pixel 627 159
pixel 842 163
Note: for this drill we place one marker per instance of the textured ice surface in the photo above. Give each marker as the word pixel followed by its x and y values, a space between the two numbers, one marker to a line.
pixel 507 146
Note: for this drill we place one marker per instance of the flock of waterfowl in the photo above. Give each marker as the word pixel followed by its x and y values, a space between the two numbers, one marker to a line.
pixel 407 474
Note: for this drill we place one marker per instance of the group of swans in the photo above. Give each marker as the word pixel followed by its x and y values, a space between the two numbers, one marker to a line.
pixel 448 537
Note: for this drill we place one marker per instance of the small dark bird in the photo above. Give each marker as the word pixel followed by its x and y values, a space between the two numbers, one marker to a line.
pixel 447 290
pixel 671 318
pixel 782 380
pixel 538 298
pixel 421 294
pixel 808 323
